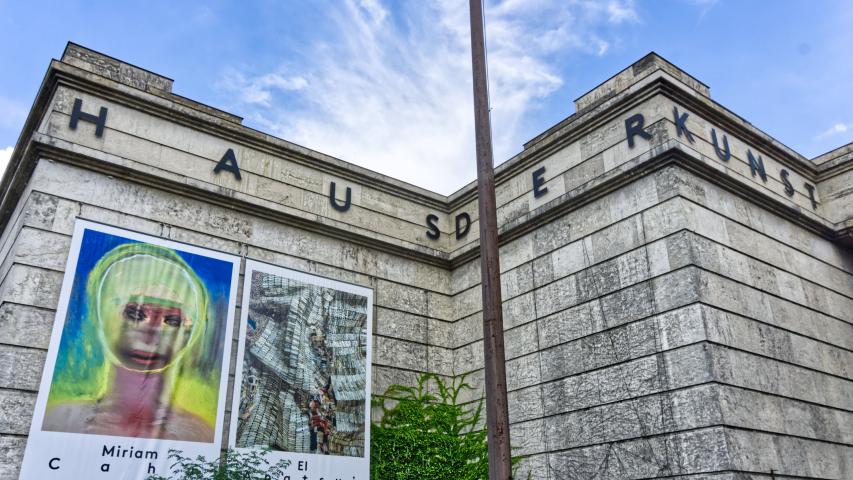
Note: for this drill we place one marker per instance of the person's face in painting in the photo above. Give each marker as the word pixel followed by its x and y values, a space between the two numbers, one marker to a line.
pixel 152 332
pixel 148 310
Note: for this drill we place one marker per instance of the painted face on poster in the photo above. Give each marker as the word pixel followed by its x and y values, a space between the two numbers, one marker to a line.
pixel 138 359
pixel 302 386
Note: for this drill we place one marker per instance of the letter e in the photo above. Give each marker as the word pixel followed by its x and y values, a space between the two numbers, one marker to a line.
pixel 538 183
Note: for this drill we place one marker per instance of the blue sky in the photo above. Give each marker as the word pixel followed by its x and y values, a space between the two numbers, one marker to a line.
pixel 386 84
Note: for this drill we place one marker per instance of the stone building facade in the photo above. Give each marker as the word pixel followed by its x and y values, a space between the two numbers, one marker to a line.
pixel 677 285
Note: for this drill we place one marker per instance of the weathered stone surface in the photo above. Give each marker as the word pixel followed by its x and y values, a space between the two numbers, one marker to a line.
pixel 748 335
pixel 521 340
pixel 656 456
pixel 41 249
pixel 516 281
pixel 468 358
pixel 11 454
pixel 402 297
pixel 575 322
pixel 636 418
pixel 16 411
pixel 749 302
pixel 402 325
pixel 751 371
pixel 440 361
pixel 31 286
pixel 698 250
pixel 522 372
pixel 525 404
pixel 20 368
pixel 528 437
pixel 595 351
pixel 764 412
pixel 755 451
pixel 533 466
pixel 25 325
pixel 441 333
pixel 399 353
pixel 384 377
pixel 50 212
pixel 670 370
pixel 519 310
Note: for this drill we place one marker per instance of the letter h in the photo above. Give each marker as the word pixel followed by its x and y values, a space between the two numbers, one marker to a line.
pixel 78 114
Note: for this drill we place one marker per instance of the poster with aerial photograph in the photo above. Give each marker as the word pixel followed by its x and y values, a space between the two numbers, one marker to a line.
pixel 138 357
pixel 302 387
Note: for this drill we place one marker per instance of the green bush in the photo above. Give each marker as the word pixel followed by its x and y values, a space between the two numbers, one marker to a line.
pixel 426 436
pixel 232 465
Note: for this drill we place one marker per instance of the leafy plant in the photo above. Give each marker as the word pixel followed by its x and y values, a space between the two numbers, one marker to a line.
pixel 425 435
pixel 232 465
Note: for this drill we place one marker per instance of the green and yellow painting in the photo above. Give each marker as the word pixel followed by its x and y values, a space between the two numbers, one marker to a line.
pixel 143 342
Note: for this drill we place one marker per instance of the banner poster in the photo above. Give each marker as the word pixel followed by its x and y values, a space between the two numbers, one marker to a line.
pixel 303 373
pixel 138 358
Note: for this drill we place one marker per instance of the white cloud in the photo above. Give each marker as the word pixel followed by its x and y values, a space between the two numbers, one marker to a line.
pixel 620 12
pixel 392 92
pixel 259 90
pixel 834 130
pixel 5 155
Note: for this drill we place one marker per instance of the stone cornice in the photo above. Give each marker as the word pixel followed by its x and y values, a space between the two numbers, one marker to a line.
pixel 226 199
pixel 28 150
pixel 670 153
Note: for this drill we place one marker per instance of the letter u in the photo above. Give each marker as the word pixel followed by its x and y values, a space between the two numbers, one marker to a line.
pixel 724 156
pixel 334 202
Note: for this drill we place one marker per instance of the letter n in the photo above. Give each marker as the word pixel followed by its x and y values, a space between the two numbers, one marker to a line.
pixel 756 165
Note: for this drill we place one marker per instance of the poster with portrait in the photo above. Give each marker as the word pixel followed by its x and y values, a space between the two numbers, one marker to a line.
pixel 302 386
pixel 138 358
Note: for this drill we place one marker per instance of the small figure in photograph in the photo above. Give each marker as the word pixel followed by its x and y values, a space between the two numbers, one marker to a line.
pixel 319 428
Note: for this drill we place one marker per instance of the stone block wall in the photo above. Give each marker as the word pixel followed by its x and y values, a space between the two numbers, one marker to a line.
pixel 683 333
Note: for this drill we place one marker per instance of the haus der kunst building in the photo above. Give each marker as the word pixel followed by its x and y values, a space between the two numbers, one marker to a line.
pixel 677 288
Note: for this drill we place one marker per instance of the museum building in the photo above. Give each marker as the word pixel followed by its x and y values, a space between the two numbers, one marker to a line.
pixel 677 285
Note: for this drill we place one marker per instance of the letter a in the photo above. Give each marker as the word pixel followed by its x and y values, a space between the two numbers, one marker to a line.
pixel 229 164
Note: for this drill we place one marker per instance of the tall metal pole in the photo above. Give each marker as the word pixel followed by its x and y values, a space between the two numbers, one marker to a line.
pixel 497 418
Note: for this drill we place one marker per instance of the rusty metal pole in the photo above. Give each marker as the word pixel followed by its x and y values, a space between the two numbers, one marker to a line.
pixel 497 418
